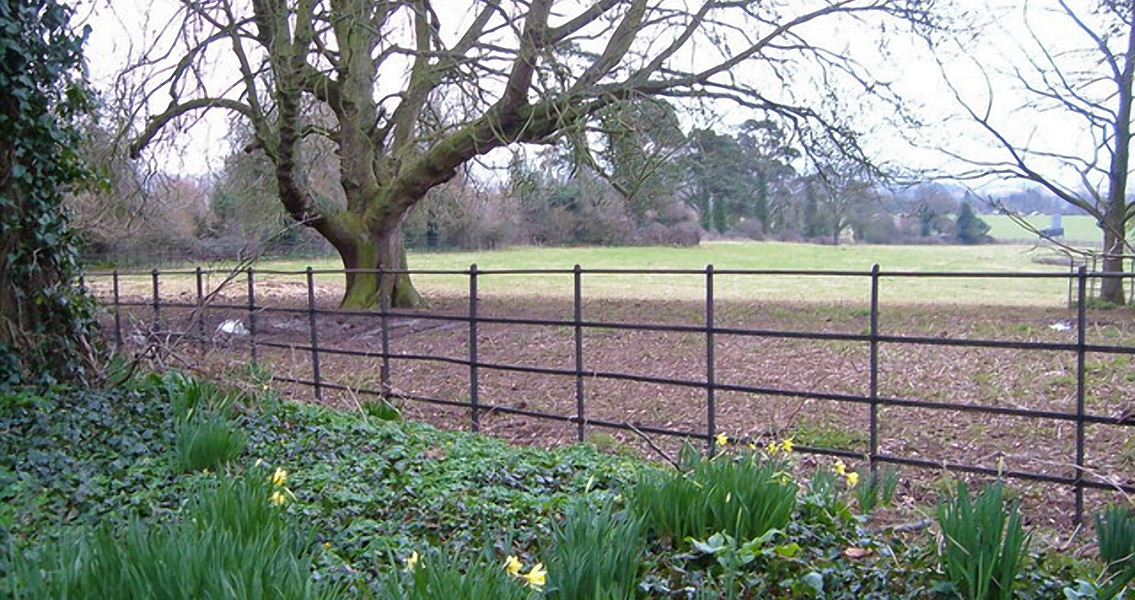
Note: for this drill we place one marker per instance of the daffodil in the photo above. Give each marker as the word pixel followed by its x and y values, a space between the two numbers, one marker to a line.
pixel 752 446
pixel 721 439
pixel 326 545
pixel 512 565
pixel 537 576
pixel 787 445
pixel 852 479
pixel 840 468
pixel 279 477
pixel 772 448
pixel 411 562
pixel 277 498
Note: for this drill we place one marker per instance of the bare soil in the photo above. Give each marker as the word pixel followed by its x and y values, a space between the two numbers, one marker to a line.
pixel 1036 380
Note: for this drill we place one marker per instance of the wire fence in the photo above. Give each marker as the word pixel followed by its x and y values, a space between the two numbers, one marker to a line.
pixel 582 371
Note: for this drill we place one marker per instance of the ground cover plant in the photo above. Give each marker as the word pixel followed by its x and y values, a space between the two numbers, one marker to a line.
pixel 327 504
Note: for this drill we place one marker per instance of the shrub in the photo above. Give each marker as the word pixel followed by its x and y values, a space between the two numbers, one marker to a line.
pixel 596 554
pixel 983 544
pixel 742 496
pixel 231 543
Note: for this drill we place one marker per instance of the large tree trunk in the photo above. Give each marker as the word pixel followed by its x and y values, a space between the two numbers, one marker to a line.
pixel 383 249
pixel 1114 244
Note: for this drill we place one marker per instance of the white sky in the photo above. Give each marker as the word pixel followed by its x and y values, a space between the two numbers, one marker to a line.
pixel 119 29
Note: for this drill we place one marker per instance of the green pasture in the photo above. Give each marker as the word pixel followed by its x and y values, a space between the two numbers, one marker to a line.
pixel 1077 228
pixel 722 255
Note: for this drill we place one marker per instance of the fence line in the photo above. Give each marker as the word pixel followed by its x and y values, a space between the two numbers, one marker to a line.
pixel 710 329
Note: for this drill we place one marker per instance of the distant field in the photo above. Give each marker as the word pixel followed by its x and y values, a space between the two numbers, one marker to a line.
pixel 1077 228
pixel 723 255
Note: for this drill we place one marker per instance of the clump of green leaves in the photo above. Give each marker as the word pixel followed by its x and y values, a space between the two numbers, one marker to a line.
pixel 595 553
pixel 743 496
pixel 876 489
pixel 774 557
pixel 983 544
pixel 208 442
pixel 230 543
pixel 382 409
pixel 1115 532
pixel 434 574
pixel 206 437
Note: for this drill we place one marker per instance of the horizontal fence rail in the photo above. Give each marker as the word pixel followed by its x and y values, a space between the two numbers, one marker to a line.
pixel 580 370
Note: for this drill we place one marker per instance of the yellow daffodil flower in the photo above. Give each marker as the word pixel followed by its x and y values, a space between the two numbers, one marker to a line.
pixel 537 576
pixel 752 446
pixel 277 498
pixel 279 477
pixel 787 445
pixel 771 449
pixel 411 562
pixel 721 439
pixel 326 545
pixel 512 565
pixel 840 468
pixel 852 479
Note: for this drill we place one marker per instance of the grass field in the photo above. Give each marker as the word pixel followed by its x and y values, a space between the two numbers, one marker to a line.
pixel 1077 228
pixel 723 255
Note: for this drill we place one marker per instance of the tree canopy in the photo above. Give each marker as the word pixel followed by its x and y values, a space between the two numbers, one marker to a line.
pixel 408 94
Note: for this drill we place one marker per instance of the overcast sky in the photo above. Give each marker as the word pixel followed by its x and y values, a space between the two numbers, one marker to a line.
pixel 120 29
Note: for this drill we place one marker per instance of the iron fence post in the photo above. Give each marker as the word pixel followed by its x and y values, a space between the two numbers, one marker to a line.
pixel 873 390
pixel 200 310
pixel 384 322
pixel 710 380
pixel 577 281
pixel 474 392
pixel 1081 322
pixel 252 315
pixel 117 310
pixel 1071 280
pixel 157 305
pixel 316 375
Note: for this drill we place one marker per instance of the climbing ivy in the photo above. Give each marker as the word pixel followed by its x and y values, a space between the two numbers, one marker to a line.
pixel 46 321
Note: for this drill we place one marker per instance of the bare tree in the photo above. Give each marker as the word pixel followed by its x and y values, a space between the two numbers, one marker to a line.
pixel 846 185
pixel 409 91
pixel 1084 76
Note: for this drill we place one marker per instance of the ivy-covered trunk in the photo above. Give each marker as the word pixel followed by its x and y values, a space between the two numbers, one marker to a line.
pixel 45 320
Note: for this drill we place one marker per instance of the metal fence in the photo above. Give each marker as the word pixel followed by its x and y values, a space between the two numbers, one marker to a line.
pixel 580 372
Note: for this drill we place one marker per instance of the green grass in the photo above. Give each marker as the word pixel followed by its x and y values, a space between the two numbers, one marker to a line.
pixel 723 255
pixel 1077 228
